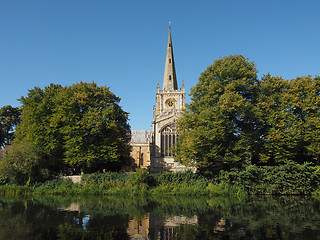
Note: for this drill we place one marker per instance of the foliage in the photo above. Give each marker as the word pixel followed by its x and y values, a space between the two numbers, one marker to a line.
pixel 80 128
pixel 57 187
pixel 140 178
pixel 22 164
pixel 9 119
pixel 290 178
pixel 218 127
pixel 290 114
pixel 179 178
pixel 99 178
pixel 235 120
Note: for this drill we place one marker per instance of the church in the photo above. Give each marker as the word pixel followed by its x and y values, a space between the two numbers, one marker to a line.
pixel 152 149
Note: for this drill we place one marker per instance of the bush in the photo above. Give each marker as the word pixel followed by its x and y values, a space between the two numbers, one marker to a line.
pixel 22 164
pixel 141 178
pixel 56 186
pixel 186 178
pixel 291 178
pixel 99 178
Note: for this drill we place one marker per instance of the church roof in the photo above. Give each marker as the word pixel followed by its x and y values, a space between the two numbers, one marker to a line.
pixel 141 136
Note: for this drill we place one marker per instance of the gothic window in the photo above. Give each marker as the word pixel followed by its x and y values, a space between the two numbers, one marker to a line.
pixel 169 77
pixel 141 160
pixel 169 60
pixel 168 140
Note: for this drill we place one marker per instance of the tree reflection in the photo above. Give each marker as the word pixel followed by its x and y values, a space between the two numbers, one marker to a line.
pixel 166 218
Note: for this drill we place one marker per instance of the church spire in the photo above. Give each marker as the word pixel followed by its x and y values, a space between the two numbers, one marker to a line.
pixel 169 79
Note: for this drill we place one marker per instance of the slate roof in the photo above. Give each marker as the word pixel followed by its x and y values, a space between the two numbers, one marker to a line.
pixel 141 136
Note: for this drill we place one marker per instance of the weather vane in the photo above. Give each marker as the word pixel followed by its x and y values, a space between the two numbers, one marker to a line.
pixel 169 24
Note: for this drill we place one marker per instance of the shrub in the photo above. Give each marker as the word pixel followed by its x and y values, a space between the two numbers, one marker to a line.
pixel 141 178
pixel 22 164
pixel 291 178
pixel 186 178
pixel 56 186
pixel 99 178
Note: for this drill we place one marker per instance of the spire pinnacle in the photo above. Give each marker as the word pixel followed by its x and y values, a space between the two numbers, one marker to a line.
pixel 169 78
pixel 158 87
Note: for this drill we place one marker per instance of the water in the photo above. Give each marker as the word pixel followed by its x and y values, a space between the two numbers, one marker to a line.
pixel 159 218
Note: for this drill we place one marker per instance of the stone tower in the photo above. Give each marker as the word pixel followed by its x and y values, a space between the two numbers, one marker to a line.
pixel 170 101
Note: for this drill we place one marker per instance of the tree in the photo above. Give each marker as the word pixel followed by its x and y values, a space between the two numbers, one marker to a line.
pixel 220 127
pixel 235 119
pixel 9 119
pixel 291 111
pixel 81 127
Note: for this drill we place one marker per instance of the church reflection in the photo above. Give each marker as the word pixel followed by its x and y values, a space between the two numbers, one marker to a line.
pixel 152 226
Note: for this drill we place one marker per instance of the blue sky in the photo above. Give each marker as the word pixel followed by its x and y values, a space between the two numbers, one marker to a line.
pixel 122 44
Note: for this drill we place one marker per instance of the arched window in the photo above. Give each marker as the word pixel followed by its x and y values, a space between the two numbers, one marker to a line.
pixel 168 140
pixel 169 77
pixel 141 160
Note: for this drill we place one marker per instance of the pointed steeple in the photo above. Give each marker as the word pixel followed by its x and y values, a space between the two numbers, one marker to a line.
pixel 169 78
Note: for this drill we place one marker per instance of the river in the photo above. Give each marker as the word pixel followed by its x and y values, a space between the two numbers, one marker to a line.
pixel 130 217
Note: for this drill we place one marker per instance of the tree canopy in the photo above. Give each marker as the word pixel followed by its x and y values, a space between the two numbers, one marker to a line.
pixel 9 118
pixel 80 127
pixel 235 119
pixel 290 113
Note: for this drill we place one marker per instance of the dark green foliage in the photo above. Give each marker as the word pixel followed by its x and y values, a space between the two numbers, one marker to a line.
pixel 235 120
pixel 99 178
pixel 218 128
pixel 187 178
pixel 9 119
pixel 290 178
pixel 56 186
pixel 290 114
pixel 141 178
pixel 14 189
pixel 76 128
pixel 3 180
pixel 22 164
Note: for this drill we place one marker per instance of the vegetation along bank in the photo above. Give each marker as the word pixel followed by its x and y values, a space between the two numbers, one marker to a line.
pixel 290 179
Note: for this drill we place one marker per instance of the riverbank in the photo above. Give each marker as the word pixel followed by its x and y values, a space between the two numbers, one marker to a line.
pixel 289 179
pixel 122 184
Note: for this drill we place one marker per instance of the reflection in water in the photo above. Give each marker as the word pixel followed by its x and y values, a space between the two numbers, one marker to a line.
pixel 139 228
pixel 173 218
pixel 153 226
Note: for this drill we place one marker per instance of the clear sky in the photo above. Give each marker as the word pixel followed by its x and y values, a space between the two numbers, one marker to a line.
pixel 122 44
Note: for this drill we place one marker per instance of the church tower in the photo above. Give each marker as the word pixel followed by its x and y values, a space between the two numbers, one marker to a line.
pixel 170 101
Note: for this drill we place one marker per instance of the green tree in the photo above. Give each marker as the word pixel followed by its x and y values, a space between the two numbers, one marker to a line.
pixel 81 127
pixel 9 119
pixel 290 112
pixel 220 127
pixel 273 113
